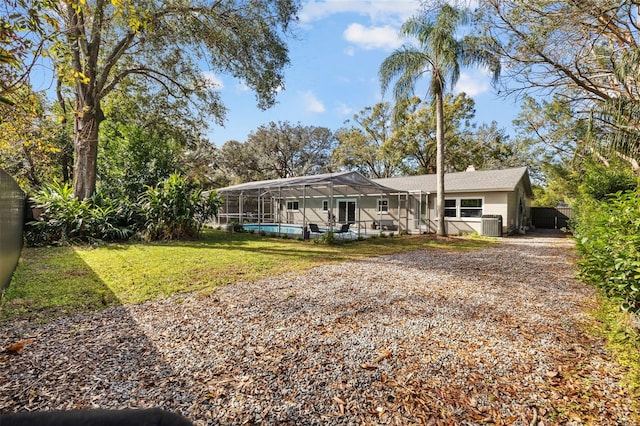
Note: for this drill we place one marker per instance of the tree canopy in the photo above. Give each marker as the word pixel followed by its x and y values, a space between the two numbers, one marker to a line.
pixel 285 150
pixel 419 131
pixel 35 147
pixel 370 145
pixel 22 39
pixel 278 150
pixel 585 53
pixel 98 44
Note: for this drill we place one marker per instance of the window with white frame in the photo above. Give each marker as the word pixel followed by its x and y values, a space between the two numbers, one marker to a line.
pixel 383 205
pixel 293 206
pixel 463 207
pixel 471 207
pixel 325 205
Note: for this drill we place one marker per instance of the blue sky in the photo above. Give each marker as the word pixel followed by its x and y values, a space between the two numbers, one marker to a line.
pixel 333 73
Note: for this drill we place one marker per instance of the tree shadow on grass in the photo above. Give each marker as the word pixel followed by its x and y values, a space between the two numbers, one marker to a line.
pixel 54 281
pixel 260 244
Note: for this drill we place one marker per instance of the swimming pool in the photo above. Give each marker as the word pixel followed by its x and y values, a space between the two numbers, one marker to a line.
pixel 270 228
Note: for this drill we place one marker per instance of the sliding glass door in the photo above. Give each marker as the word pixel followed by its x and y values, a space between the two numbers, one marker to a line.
pixel 347 211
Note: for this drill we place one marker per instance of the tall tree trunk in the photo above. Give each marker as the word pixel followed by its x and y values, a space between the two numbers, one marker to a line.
pixel 85 146
pixel 66 156
pixel 442 230
pixel 88 115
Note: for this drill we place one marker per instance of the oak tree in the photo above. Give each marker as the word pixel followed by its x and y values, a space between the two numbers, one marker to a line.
pixel 278 150
pixel 371 145
pixel 418 130
pixel 162 45
pixel 286 150
pixel 583 51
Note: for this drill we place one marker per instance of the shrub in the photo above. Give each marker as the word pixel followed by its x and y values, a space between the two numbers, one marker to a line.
pixel 176 209
pixel 600 182
pixel 326 238
pixel 111 221
pixel 66 220
pixel 608 239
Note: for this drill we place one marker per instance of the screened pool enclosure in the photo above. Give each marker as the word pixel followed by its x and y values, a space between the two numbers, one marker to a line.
pixel 328 201
pixel 401 203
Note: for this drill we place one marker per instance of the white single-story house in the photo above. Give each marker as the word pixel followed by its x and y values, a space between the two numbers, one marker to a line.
pixel 405 204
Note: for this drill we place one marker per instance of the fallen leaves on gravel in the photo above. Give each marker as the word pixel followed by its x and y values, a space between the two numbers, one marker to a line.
pixel 494 336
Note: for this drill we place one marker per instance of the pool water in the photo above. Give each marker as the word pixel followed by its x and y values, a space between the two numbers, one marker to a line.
pixel 274 228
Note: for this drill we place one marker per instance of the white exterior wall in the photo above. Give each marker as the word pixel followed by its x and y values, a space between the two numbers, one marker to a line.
pixel 495 203
pixel 519 217
pixel 415 217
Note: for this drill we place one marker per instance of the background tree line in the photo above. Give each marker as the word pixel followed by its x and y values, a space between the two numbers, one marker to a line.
pixel 143 140
pixel 576 59
pixel 372 143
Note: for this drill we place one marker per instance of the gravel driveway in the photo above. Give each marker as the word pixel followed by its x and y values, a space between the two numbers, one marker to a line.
pixel 428 337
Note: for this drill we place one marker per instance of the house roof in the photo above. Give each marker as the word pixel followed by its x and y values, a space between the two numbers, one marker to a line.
pixel 469 181
pixel 342 183
pixel 348 183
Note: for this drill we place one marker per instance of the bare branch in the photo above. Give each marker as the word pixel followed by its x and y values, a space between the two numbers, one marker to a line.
pixel 155 75
pixel 111 60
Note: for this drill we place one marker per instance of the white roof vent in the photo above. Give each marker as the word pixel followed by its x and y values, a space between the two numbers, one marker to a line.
pixel 471 168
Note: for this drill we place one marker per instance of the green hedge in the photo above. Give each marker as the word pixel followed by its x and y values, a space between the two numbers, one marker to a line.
pixel 608 238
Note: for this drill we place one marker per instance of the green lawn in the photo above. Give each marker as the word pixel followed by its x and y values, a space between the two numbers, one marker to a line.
pixel 57 280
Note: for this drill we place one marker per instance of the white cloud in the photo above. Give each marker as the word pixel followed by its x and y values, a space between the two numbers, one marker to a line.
pixel 473 84
pixel 343 109
pixel 373 37
pixel 377 10
pixel 350 51
pixel 212 80
pixel 312 103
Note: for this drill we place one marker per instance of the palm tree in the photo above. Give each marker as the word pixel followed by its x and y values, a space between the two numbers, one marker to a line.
pixel 438 54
